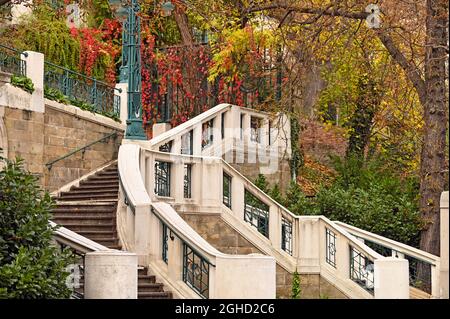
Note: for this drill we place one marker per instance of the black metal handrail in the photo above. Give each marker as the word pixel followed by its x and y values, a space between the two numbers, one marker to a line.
pixel 50 164
pixel 14 50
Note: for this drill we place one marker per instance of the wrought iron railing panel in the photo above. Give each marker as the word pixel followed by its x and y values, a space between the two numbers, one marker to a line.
pixel 187 141
pixel 286 235
pixel 195 271
pixel 162 179
pixel 80 88
pixel 11 62
pixel 207 133
pixel 361 270
pixel 187 180
pixel 256 213
pixel 226 190
pixel 75 280
pixel 165 243
pixel 330 239
pixel 419 274
pixel 419 270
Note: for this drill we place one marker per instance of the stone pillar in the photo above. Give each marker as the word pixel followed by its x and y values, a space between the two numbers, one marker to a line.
pixel 391 276
pixel 444 247
pixel 160 128
pixel 35 71
pixel 142 240
pixel 110 274
pixel 123 101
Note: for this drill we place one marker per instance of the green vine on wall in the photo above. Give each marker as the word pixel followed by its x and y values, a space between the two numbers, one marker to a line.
pixel 297 158
pixel 296 289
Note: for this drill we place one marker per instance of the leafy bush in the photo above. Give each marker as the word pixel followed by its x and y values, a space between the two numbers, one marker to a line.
pixel 367 195
pixel 30 266
pixel 23 82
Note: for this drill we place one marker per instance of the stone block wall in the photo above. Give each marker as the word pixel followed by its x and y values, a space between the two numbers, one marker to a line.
pixel 41 137
pixel 227 240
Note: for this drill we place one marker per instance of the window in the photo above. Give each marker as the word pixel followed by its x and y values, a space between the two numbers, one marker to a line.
pixel 162 179
pixel 227 190
pixel 286 235
pixel 207 133
pixel 187 180
pixel 256 213
pixel 165 243
pixel 331 247
pixel 195 271
pixel 255 129
pixel 186 143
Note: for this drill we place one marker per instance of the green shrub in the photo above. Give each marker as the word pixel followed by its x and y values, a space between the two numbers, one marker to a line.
pixel 296 289
pixel 30 266
pixel 23 82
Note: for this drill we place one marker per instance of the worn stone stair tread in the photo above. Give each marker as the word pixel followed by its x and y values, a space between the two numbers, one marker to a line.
pixel 89 209
pixel 154 294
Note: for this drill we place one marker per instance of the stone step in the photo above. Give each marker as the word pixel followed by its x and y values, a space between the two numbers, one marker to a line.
pixel 84 219
pixel 103 178
pixel 148 287
pixel 85 208
pixel 79 228
pixel 112 173
pixel 154 295
pixel 76 197
pixel 98 234
pixel 108 242
pixel 98 182
pixel 146 279
pixel 94 188
pixel 82 191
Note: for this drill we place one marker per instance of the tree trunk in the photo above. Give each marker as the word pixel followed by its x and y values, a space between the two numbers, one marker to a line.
pixel 361 122
pixel 432 168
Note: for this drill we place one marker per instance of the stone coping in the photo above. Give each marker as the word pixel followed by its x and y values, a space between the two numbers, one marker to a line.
pixel 85 115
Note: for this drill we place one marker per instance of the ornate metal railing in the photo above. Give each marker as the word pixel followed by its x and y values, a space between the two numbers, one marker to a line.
pixel 162 178
pixel 330 240
pixel 187 181
pixel 80 149
pixel 165 243
pixel 80 88
pixel 419 270
pixel 361 269
pixel 11 62
pixel 195 271
pixel 226 196
pixel 286 235
pixel 256 213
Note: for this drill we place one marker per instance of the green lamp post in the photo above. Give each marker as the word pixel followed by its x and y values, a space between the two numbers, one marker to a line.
pixel 130 71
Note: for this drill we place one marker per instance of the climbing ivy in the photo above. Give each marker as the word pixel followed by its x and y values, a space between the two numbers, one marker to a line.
pixel 296 289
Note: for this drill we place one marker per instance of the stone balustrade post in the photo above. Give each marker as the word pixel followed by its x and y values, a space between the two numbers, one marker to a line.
pixel 391 276
pixel 110 274
pixel 35 71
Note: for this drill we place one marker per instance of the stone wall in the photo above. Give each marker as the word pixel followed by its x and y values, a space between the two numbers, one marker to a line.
pixel 41 137
pixel 227 240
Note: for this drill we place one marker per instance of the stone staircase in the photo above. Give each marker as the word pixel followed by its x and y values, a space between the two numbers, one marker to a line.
pixel 90 210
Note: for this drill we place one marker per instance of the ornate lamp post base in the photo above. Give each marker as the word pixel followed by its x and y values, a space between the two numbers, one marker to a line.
pixel 135 131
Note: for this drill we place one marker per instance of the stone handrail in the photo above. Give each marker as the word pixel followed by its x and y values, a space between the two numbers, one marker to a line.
pixel 392 244
pixel 226 275
pixel 75 241
pixel 308 244
pixel 401 250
